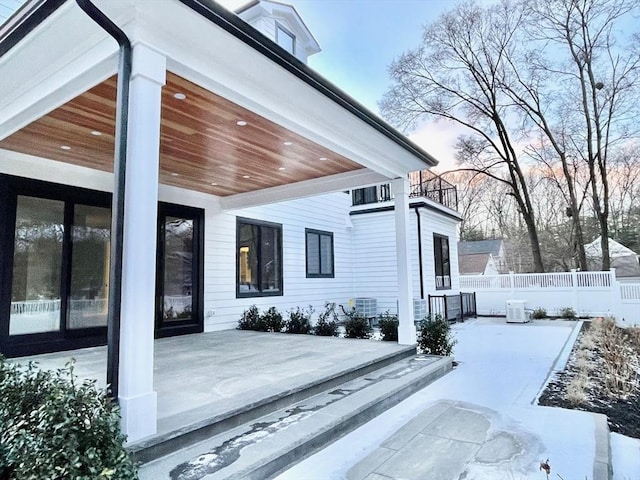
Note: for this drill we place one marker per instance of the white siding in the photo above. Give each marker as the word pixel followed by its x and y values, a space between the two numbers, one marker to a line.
pixel 375 272
pixel 324 212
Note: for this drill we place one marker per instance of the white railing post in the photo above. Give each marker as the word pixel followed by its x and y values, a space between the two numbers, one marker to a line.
pixel 511 283
pixel 574 290
pixel 616 295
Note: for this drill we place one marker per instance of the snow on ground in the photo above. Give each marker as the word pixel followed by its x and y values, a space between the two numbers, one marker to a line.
pixel 625 453
pixel 502 367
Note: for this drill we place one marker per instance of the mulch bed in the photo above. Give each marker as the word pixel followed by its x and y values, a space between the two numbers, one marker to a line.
pixel 621 408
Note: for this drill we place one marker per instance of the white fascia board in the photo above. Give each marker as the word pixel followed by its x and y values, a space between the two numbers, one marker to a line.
pixel 204 53
pixel 62 58
pixel 307 188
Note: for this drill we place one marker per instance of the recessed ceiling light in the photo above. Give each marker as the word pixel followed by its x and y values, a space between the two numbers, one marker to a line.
pixel 324 159
pixel 287 143
pixel 214 184
pixel 65 147
pixel 241 123
pixel 174 174
pixel 179 95
pixel 282 168
pixel 246 176
pixel 96 133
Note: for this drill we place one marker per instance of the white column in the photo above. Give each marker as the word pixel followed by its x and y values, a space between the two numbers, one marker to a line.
pixel 406 329
pixel 137 399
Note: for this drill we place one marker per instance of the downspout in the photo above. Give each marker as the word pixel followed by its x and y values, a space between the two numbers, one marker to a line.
pixel 417 210
pixel 117 204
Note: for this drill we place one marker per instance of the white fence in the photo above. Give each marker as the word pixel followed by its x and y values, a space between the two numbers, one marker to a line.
pixel 588 293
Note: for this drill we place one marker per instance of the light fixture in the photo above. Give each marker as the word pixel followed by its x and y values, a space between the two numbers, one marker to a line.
pixel 282 169
pixel 179 95
pixel 287 143
pixel 241 123
pixel 246 176
pixel 324 159
pixel 65 147
pixel 214 184
pixel 96 133
pixel 174 174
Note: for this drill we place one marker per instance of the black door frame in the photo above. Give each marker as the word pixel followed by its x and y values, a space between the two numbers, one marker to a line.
pixel 71 339
pixel 196 323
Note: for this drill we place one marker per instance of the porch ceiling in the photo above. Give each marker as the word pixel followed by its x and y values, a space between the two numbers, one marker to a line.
pixel 202 147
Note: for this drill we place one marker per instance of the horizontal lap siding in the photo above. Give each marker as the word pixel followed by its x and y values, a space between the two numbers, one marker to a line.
pixel 434 223
pixel 324 212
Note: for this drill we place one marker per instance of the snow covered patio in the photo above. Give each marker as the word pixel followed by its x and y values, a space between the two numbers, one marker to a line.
pixel 502 370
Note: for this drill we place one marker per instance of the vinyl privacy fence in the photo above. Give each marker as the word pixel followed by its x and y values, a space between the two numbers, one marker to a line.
pixel 588 293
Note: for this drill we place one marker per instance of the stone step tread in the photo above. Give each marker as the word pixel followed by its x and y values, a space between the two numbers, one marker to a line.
pixel 261 447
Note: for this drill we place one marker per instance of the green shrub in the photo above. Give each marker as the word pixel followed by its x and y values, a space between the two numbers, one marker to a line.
pixel 355 325
pixel 539 313
pixel 327 324
pixel 271 320
pixel 299 321
pixel 568 313
pixel 250 320
pixel 434 336
pixel 388 325
pixel 54 427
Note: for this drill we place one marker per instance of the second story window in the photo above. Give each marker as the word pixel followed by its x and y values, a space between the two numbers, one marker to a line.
pixel 286 39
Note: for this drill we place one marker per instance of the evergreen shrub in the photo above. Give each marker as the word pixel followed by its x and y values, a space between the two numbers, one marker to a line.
pixel 55 427
pixel 435 337
pixel 388 325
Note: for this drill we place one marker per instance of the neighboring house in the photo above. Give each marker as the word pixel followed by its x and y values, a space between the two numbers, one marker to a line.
pixel 623 259
pixel 482 257
pixel 249 180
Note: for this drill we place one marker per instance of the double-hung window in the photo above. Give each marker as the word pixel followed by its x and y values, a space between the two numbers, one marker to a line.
pixel 259 256
pixel 442 262
pixel 319 254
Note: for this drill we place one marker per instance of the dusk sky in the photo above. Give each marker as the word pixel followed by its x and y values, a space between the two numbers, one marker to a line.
pixel 359 39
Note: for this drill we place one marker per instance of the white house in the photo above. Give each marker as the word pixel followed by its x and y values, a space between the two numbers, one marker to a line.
pixel 224 177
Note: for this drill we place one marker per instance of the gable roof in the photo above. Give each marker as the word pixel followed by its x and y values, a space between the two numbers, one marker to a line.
pixel 473 263
pixel 480 246
pixel 616 250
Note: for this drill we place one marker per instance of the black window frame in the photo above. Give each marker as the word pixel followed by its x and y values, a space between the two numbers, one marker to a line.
pixel 439 262
pixel 259 223
pixel 320 234
pixel 65 338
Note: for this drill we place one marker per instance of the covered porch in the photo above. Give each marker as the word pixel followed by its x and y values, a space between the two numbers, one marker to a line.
pixel 206 381
pixel 217 117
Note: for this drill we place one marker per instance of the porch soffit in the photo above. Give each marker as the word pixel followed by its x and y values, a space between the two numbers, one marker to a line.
pixel 202 147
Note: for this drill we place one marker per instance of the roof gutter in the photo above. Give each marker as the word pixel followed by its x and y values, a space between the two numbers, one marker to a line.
pixel 249 35
pixel 117 207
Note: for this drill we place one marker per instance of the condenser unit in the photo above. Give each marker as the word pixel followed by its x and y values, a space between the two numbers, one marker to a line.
pixel 516 312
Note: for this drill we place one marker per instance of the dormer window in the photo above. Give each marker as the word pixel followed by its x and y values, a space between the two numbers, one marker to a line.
pixel 285 39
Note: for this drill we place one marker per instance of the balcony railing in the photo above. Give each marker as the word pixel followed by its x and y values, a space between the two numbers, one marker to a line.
pixel 422 184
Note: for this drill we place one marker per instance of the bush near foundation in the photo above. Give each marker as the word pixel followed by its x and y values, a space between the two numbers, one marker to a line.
pixel 251 320
pixel 299 321
pixel 539 313
pixel 388 325
pixel 327 324
pixel 568 313
pixel 355 325
pixel 53 427
pixel 272 320
pixel 434 336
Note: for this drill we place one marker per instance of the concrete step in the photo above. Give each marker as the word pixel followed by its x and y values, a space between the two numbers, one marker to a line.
pixel 190 427
pixel 266 446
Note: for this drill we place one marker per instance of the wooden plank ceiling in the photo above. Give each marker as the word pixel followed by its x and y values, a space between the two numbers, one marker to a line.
pixel 207 143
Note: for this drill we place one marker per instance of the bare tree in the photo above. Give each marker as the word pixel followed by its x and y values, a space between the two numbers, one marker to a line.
pixel 456 74
pixel 594 112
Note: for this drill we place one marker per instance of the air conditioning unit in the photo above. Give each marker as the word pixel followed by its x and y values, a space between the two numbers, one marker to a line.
pixel 420 309
pixel 516 312
pixel 367 307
